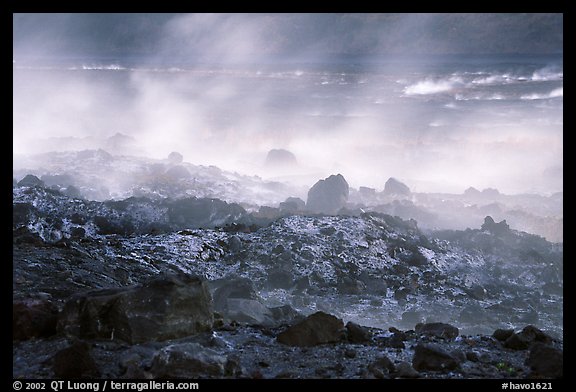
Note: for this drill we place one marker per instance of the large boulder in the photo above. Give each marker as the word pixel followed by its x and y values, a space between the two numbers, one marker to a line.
pixel 328 196
pixel 33 318
pixel 433 357
pixel 318 328
pixel 393 187
pixel 161 309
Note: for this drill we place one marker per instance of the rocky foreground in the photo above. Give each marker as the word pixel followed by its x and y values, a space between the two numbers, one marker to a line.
pixel 198 288
pixel 166 328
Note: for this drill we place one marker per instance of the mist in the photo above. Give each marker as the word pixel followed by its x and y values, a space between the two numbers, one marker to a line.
pixel 225 89
pixel 383 188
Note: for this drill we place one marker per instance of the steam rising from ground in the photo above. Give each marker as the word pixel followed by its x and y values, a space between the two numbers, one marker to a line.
pixel 214 94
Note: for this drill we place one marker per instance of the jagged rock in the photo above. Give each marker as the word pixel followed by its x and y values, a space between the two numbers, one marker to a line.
pixel 292 205
pixel 163 308
pixel 405 370
pixel 175 158
pixel 280 158
pixel 356 333
pixel 502 334
pixel 31 180
pixel 75 362
pixel 440 330
pixel 187 360
pixel 318 328
pixel 33 318
pixel 328 196
pixel 394 187
pixel 432 357
pixel 545 361
pixel 495 228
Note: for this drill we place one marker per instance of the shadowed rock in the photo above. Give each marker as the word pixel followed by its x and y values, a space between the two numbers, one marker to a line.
pixel 396 188
pixel 432 357
pixel 357 333
pixel 33 319
pixel 502 334
pixel 525 338
pixel 161 309
pixel 495 228
pixel 328 196
pixel 545 361
pixel 187 360
pixel 318 328
pixel 75 362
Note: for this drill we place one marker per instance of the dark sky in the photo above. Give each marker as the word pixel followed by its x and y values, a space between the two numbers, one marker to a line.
pixel 287 34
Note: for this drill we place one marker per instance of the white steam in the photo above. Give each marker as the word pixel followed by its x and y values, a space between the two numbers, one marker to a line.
pixel 211 94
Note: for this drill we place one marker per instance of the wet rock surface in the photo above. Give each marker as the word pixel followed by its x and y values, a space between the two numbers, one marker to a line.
pixel 298 297
pixel 248 352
